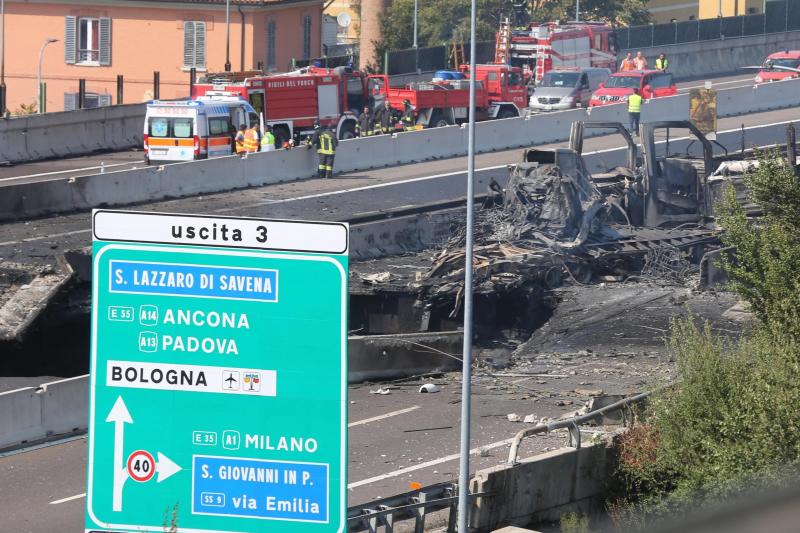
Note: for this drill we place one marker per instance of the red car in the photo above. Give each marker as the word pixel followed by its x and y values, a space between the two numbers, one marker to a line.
pixel 787 58
pixel 651 84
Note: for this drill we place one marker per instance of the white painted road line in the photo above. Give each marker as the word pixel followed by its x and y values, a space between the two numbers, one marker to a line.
pixel 70 170
pixel 421 466
pixel 65 500
pixel 382 417
pixel 44 237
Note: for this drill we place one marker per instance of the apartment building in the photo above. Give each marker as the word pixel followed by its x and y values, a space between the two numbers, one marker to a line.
pixel 97 40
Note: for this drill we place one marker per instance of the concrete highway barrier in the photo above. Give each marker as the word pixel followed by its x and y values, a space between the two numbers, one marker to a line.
pixel 125 187
pixel 722 56
pixel 20 417
pixel 70 133
pixel 542 488
pixel 64 406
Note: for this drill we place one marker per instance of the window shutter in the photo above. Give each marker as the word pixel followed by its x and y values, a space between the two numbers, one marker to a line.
pixel 105 41
pixel 70 39
pixel 200 45
pixel 188 44
pixel 70 101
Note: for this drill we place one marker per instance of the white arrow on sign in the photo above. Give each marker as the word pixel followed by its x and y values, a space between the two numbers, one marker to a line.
pixel 165 467
pixel 120 416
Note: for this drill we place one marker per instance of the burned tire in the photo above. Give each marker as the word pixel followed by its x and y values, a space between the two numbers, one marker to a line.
pixel 281 135
pixel 439 120
pixel 348 131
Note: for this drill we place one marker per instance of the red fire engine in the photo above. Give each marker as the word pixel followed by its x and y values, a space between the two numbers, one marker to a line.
pixel 540 48
pixel 291 102
pixel 499 93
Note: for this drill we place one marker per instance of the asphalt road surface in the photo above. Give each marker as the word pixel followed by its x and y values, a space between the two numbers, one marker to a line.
pixel 394 440
pixel 123 160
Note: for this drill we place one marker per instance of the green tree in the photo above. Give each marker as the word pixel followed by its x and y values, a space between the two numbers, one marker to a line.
pixel 731 422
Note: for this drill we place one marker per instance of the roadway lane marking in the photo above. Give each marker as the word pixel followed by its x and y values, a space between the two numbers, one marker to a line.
pixel 70 170
pixel 43 237
pixel 381 417
pixel 359 189
pixel 65 500
pixel 434 462
pixel 749 80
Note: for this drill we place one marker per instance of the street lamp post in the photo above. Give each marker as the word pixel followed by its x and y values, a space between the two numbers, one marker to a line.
pixel 2 57
pixel 416 52
pixel 228 36
pixel 50 40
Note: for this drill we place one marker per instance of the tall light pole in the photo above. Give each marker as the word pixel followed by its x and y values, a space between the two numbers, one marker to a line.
pixel 50 40
pixel 416 52
pixel 2 57
pixel 416 7
pixel 466 361
pixel 228 36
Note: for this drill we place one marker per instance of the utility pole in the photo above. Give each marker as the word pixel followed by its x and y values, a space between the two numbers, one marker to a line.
pixel 2 57
pixel 466 361
pixel 228 36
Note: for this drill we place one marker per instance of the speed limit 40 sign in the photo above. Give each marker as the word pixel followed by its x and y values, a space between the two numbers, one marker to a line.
pixel 141 466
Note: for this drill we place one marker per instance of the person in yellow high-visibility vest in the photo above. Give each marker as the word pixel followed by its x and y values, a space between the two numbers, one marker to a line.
pixel 635 110
pixel 251 139
pixel 268 139
pixel 239 139
pixel 324 140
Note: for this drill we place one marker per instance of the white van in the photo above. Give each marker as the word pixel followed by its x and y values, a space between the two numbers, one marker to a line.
pixel 567 88
pixel 187 130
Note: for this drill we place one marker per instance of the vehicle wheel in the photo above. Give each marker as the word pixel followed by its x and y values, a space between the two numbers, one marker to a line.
pixel 347 132
pixel 438 120
pixel 506 113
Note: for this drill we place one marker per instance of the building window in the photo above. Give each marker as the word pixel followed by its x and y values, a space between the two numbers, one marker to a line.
pixel 87 41
pixel 194 45
pixel 271 31
pixel 307 37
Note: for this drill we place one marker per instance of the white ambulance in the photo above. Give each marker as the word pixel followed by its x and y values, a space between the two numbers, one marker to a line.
pixel 187 130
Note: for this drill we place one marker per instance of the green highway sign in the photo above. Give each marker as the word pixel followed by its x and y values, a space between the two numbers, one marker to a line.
pixel 218 394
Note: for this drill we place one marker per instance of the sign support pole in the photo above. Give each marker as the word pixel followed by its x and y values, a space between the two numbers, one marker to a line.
pixel 466 363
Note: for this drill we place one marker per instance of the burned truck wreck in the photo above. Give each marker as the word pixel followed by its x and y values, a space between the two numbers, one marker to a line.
pixel 555 221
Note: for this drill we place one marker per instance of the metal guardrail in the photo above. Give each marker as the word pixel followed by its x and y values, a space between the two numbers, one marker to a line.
pixel 415 505
pixel 571 424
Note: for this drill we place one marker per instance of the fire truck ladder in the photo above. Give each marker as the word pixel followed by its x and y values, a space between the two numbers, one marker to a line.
pixel 502 48
pixel 458 56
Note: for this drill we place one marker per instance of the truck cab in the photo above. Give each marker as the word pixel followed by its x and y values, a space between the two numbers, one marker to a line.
pixel 504 85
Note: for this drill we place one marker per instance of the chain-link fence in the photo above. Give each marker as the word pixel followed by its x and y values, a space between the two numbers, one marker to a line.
pixel 781 15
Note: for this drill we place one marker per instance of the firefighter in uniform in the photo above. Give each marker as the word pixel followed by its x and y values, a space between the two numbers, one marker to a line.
pixel 364 126
pixel 324 140
pixel 408 119
pixel 384 120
